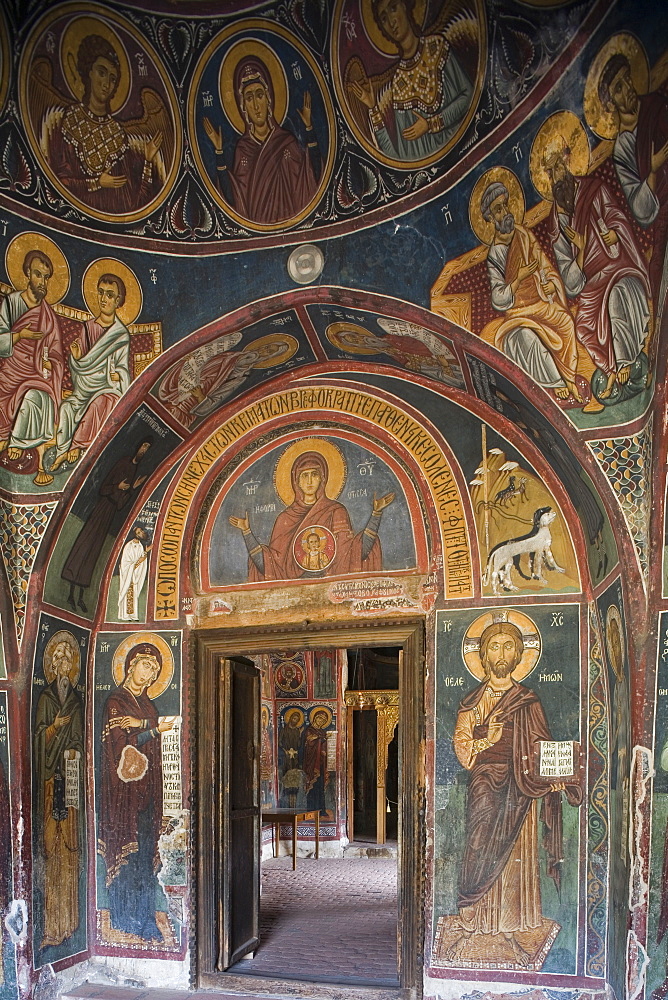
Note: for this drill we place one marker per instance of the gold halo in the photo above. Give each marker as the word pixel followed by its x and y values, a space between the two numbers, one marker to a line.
pixel 264 713
pixel 291 711
pixel 74 34
pixel 529 630
pixel 245 49
pixel 601 121
pixel 333 334
pixel 163 680
pixel 320 708
pixel 485 230
pixel 59 282
pixel 291 345
pixel 613 615
pixel 332 454
pixel 131 308
pixel 376 36
pixel 570 128
pixel 62 636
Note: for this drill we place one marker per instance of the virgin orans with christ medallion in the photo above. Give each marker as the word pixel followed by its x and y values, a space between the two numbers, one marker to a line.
pixel 408 74
pixel 284 519
pixel 261 126
pixel 100 113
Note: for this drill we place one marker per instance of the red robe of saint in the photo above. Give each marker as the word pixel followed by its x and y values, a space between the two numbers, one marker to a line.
pixel 23 369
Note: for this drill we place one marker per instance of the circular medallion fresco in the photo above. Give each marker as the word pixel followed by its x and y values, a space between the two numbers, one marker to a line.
pixel 100 112
pixel 261 126
pixel 408 82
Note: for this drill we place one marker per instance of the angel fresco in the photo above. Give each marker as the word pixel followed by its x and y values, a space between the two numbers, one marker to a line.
pixel 409 110
pixel 263 147
pixel 104 132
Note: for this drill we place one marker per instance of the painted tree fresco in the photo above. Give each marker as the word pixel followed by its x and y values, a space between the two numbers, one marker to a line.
pixel 500 902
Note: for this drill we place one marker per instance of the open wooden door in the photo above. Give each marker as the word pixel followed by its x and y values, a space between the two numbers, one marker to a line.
pixel 239 803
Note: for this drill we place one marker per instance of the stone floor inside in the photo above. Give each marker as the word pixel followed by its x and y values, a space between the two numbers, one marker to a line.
pixel 331 920
pixel 328 932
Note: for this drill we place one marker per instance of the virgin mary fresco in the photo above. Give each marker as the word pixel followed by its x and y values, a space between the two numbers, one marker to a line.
pixel 111 164
pixel 313 537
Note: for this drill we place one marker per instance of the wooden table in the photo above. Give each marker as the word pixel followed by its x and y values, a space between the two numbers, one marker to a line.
pixel 277 816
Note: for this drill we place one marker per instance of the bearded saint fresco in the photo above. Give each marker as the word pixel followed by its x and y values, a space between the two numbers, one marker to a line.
pixel 313 515
pixel 513 804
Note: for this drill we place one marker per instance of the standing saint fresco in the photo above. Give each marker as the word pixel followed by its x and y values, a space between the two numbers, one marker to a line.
pixel 100 358
pixel 289 745
pixel 410 111
pixel 264 146
pixel 132 570
pixel 31 348
pixel 499 726
pixel 104 134
pixel 58 739
pixel 306 477
pixel 130 817
pixel 314 758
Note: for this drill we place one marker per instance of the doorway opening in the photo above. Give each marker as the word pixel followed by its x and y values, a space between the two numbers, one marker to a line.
pixel 323 763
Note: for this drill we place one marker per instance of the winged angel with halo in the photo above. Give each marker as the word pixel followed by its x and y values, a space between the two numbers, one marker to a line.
pixel 111 166
pixel 412 110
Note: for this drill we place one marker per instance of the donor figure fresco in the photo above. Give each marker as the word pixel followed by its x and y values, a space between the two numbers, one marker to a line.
pixel 517 776
pixel 409 110
pixel 105 135
pixel 313 537
pixel 264 147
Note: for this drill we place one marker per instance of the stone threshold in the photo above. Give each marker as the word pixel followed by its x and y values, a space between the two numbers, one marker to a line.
pixel 237 988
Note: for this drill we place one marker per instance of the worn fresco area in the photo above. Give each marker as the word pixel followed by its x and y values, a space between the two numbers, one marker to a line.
pixel 657 973
pixel 59 768
pixel 139 799
pixel 510 775
pixel 614 634
pixel 9 927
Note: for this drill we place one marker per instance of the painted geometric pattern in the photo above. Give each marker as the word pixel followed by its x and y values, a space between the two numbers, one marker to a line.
pixel 21 531
pixel 597 820
pixel 627 462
